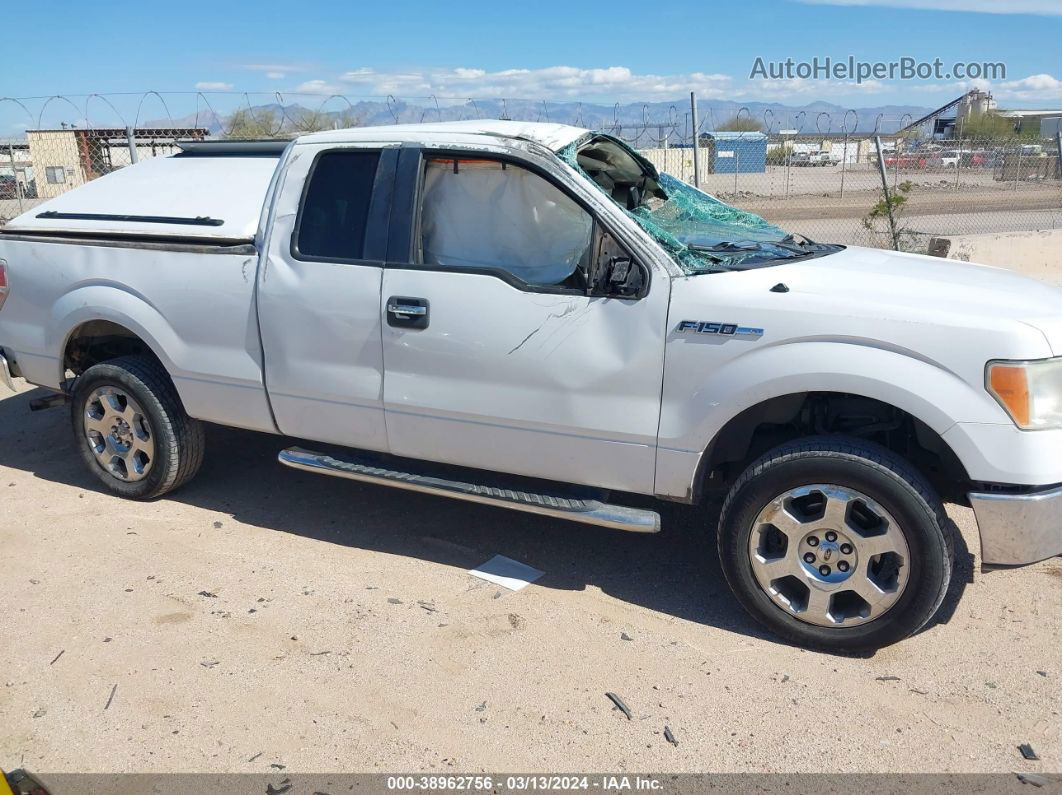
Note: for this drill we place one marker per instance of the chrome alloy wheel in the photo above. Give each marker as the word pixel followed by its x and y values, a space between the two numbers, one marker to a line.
pixel 829 555
pixel 119 434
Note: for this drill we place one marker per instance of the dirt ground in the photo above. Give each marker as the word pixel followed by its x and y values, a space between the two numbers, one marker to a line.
pixel 263 617
pixel 777 183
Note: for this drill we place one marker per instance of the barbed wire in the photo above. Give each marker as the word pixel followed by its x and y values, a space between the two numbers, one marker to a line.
pixel 791 166
pixel 278 113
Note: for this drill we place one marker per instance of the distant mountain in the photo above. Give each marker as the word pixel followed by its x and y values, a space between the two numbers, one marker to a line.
pixel 636 121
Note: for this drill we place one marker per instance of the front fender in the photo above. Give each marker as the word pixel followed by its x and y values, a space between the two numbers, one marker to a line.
pixel 698 403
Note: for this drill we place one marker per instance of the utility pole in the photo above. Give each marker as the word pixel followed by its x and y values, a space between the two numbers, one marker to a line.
pixel 696 142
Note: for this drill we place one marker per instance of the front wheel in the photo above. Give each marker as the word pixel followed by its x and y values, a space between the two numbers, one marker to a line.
pixel 836 543
pixel 131 429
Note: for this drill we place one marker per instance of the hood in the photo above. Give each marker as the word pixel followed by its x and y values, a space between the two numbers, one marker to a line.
pixel 898 285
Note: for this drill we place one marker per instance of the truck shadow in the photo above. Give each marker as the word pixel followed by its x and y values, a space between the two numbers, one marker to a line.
pixel 675 572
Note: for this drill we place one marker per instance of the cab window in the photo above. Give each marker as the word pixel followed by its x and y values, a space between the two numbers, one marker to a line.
pixel 335 208
pixel 488 214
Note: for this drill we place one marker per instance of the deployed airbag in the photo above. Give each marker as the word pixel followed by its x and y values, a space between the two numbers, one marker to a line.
pixel 488 214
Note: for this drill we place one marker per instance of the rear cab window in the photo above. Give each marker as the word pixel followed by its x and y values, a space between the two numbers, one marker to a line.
pixel 335 206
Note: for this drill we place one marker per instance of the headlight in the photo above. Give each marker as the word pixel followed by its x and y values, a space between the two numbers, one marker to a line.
pixel 1031 392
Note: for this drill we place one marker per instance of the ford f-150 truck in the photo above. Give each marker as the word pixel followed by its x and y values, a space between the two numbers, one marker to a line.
pixel 531 316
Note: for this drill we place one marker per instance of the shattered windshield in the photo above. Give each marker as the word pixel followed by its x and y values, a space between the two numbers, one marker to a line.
pixel 701 233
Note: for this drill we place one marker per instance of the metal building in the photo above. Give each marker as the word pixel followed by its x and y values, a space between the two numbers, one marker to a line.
pixel 736 152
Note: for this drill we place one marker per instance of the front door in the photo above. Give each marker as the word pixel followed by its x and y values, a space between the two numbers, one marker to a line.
pixel 495 354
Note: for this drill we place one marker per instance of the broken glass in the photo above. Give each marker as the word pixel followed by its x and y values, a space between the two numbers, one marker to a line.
pixel 700 232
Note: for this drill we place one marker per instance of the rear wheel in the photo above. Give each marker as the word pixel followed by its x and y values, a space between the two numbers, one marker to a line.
pixel 836 543
pixel 131 428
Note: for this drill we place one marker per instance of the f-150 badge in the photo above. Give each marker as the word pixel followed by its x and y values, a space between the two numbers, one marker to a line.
pixel 721 329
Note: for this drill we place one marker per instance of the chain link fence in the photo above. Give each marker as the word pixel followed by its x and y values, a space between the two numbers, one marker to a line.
pixel 832 186
pixel 837 188
pixel 48 162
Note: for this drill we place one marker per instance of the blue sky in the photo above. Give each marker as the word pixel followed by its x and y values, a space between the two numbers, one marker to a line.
pixel 600 51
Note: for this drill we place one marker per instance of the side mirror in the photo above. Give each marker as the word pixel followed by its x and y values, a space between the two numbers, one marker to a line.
pixel 626 278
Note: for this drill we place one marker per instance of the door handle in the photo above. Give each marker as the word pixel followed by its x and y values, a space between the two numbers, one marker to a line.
pixel 406 309
pixel 403 312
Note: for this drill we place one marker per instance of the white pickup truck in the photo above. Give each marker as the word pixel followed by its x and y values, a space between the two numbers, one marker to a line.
pixel 530 316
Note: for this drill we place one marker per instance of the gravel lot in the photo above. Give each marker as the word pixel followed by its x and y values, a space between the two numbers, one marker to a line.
pixel 262 616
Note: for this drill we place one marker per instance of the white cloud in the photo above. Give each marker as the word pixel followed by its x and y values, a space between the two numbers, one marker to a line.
pixel 553 82
pixel 570 83
pixel 319 87
pixel 955 87
pixel 276 75
pixel 776 89
pixel 1038 7
pixel 1033 87
pixel 213 85
pixel 619 83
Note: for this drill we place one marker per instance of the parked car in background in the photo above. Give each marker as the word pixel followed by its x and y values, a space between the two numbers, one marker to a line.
pixel 8 187
pixel 813 159
pixel 963 158
pixel 914 160
pixel 532 317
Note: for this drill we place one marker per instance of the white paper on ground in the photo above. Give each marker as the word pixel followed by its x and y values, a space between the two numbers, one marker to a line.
pixel 506 572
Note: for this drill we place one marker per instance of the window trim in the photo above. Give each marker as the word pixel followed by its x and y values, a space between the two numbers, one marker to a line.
pixel 382 184
pixel 500 273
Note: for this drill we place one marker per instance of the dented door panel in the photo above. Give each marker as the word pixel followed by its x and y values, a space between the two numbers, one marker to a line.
pixel 570 381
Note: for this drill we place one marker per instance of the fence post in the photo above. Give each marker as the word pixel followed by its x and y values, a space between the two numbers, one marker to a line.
pixel 788 168
pixel 958 162
pixel 131 139
pixel 18 185
pixel 696 142
pixel 1058 160
pixel 896 167
pixel 888 199
pixel 844 161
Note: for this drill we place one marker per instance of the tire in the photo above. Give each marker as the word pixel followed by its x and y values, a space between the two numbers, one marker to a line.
pixel 836 543
pixel 131 429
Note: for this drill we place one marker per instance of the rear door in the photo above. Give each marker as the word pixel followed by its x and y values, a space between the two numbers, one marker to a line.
pixel 496 356
pixel 319 294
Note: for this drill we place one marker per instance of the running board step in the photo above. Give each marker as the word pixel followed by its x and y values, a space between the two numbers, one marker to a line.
pixel 588 511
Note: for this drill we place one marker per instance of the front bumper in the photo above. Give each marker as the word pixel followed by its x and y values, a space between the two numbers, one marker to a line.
pixel 1017 529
